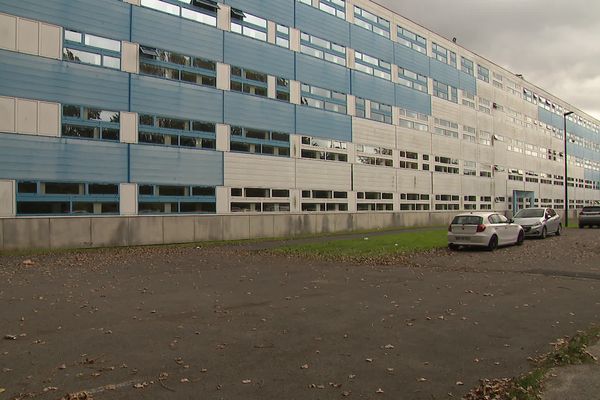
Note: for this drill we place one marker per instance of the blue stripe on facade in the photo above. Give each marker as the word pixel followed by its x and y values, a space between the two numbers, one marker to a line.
pixel 64 82
pixel 372 88
pixel 314 71
pixel 467 82
pixel 168 32
pixel 59 159
pixel 249 53
pixel 414 100
pixel 444 73
pixel 151 95
pixel 411 59
pixel 257 112
pixel 281 11
pixel 325 26
pixel 324 124
pixel 107 18
pixel 371 43
pixel 164 165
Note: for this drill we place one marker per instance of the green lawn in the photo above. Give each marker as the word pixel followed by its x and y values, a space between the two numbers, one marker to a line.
pixel 371 246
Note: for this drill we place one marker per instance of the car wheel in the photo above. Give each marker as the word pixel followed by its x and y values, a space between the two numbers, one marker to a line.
pixel 520 238
pixel 493 244
pixel 544 233
pixel 453 246
pixel 559 230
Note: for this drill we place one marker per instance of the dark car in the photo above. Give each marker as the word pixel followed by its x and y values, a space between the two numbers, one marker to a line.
pixel 589 216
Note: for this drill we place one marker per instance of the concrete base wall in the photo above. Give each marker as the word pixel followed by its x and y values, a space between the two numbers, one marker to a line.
pixel 81 232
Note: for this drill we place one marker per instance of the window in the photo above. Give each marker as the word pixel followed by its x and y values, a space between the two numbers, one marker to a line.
pixel 372 66
pixel 470 168
pixel 324 201
pixel 414 202
pixel 409 160
pixel 334 7
pixel 178 67
pixel 248 25
pixel 444 91
pixel 446 128
pixel 260 200
pixel 323 149
pixel 497 81
pixel 248 81
pixel 381 112
pixel 175 199
pixel 469 134
pixel 412 40
pixel 203 11
pixel 256 141
pixel 485 105
pixel 374 201
pixel 415 120
pixel 412 79
pixel 372 22
pixel 90 49
pixel 467 66
pixel 485 170
pixel 90 123
pixel 446 165
pixel 282 36
pixel 325 99
pixel 447 202
pixel 167 131
pixel 444 55
pixel 483 73
pixel 372 155
pixel 323 49
pixel 515 175
pixel 360 107
pixel 51 198
pixel 468 99
pixel 283 89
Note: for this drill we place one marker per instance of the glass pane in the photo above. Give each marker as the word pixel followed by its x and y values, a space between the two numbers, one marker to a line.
pixel 103 43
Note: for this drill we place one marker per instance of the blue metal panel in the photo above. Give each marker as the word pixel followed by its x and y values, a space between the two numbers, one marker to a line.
pixel 324 124
pixel 544 116
pixel 314 71
pixel 250 53
pixel 467 82
pixel 371 43
pixel 411 59
pixel 59 159
pixel 323 25
pixel 45 79
pixel 372 88
pixel 164 165
pixel 170 98
pixel 414 100
pixel 281 11
pixel 444 73
pixel 176 34
pixel 256 112
pixel 108 18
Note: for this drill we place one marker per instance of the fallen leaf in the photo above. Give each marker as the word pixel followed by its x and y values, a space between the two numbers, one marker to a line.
pixel 380 390
pixel 246 381
pixel 422 380
pixel 459 383
pixel 305 366
pixel 184 380
pixel 369 360
pixel 388 346
pixel 10 337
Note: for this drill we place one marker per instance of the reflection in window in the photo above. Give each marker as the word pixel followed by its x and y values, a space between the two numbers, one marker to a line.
pixel 90 49
pixel 248 25
pixel 203 11
pixel 176 66
pixel 167 131
pixel 257 141
pixel 176 199
pixel 248 81
pixel 90 123
pixel 325 99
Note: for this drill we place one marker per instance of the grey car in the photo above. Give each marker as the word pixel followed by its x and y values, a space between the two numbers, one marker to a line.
pixel 589 216
pixel 539 221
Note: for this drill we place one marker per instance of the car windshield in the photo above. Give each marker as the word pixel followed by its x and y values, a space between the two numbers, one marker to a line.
pixel 529 213
pixel 591 209
pixel 467 220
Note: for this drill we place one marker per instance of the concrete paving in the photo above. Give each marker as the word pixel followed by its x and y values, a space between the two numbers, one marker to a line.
pixel 575 382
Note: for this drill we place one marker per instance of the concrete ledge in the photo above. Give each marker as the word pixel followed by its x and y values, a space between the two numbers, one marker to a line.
pixel 70 232
pixel 179 229
pixel 27 233
pixel 76 232
pixel 109 232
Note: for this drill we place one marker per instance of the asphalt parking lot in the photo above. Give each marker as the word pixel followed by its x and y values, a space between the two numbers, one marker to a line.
pixel 233 323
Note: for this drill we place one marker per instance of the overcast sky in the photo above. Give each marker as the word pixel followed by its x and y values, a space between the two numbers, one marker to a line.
pixel 555 44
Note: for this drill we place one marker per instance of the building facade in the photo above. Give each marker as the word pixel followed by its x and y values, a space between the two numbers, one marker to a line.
pixel 153 107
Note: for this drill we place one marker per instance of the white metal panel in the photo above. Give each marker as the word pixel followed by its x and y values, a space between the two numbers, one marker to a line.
pixel 48 119
pixel 313 174
pixel 8 32
pixel 374 178
pixel 7 114
pixel 50 41
pixel 411 181
pixel 247 170
pixel 373 133
pixel 28 36
pixel 27 113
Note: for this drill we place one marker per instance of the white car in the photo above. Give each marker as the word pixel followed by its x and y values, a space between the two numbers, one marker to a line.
pixel 538 221
pixel 486 229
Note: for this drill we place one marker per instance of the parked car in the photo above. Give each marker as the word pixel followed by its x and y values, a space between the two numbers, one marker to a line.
pixel 539 221
pixel 483 230
pixel 589 216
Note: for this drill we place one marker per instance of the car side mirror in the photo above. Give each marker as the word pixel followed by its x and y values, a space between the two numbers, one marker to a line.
pixel 547 216
pixel 510 221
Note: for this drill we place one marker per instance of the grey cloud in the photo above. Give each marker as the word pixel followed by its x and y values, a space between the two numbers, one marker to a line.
pixel 555 44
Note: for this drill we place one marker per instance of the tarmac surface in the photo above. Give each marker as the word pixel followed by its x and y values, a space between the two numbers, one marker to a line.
pixel 227 322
